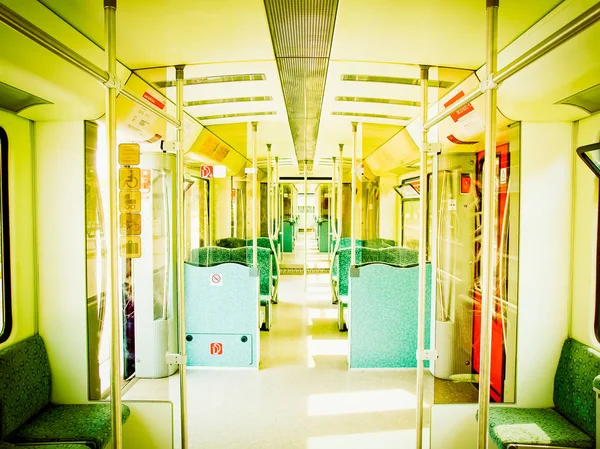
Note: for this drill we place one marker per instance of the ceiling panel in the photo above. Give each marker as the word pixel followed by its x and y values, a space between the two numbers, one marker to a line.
pixel 152 33
pixel 433 32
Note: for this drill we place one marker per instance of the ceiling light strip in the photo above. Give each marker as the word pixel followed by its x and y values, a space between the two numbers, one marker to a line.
pixel 381 116
pixel 226 100
pixel 396 80
pixel 379 100
pixel 215 79
pixel 238 114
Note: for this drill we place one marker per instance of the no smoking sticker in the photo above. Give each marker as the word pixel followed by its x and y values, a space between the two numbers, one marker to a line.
pixel 216 280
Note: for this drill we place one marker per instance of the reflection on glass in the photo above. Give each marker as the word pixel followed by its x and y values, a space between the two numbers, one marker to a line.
pixel 96 186
pixel 458 295
pixel 411 217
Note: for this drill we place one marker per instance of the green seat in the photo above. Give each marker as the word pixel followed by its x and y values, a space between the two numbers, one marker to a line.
pixel 4 445
pixel 26 414
pixel 89 422
pixel 208 256
pixel 536 426
pixel 572 423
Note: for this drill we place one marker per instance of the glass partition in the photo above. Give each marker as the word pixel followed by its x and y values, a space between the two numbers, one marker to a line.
pixel 458 295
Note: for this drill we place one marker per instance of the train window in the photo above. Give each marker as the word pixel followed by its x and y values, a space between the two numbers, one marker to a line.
pixel 590 154
pixel 5 304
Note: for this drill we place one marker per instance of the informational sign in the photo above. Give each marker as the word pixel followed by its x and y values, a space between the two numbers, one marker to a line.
pixel 216 348
pixel 130 224
pixel 216 280
pixel 130 201
pixel 129 154
pixel 452 204
pixel 131 247
pixel 207 171
pixel 129 178
pixel 466 109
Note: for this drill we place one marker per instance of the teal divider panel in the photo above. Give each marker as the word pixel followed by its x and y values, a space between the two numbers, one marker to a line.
pixel 209 255
pixel 383 314
pixel 323 232
pixel 288 237
pixel 222 314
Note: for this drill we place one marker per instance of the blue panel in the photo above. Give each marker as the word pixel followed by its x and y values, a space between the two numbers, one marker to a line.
pixel 383 316
pixel 225 350
pixel 229 308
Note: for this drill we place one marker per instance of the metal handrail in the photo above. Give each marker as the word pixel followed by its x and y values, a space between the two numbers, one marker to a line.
pixel 571 29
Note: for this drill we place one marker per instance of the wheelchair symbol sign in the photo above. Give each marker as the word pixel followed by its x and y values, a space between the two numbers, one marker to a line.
pixel 129 178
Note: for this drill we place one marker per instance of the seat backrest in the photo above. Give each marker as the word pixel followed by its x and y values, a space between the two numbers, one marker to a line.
pixel 574 397
pixel 244 255
pixel 210 255
pixel 24 383
pixel 397 255
pixel 231 242
pixel 344 259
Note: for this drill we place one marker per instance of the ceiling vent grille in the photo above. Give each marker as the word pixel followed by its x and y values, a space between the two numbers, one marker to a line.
pixel 302 33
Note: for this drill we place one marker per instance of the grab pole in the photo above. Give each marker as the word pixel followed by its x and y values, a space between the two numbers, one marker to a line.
pixel 353 197
pixel 180 259
pixel 254 197
pixel 110 28
pixel 422 258
pixel 487 248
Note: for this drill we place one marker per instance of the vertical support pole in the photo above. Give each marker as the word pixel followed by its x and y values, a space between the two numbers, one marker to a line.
pixel 255 194
pixel 180 257
pixel 422 258
pixel 487 240
pixel 305 220
pixel 434 241
pixel 340 195
pixel 269 193
pixel 333 206
pixel 110 28
pixel 353 197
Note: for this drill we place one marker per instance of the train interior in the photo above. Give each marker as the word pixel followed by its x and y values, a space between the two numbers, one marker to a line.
pixel 269 225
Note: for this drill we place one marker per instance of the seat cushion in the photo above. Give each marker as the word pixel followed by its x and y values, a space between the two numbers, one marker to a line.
pixel 58 423
pixel 574 395
pixel 24 383
pixel 535 426
pixel 264 300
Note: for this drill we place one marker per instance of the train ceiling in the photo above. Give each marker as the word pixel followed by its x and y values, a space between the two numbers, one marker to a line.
pixel 371 69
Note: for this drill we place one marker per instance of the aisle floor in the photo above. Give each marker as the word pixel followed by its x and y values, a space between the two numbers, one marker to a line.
pixel 303 395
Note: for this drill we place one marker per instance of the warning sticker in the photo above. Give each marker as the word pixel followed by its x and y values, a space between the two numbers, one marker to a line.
pixel 216 280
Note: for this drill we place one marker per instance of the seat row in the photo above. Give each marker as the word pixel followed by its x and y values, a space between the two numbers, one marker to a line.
pixel 28 417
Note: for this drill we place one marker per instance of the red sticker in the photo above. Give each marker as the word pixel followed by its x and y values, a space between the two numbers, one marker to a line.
pixel 207 171
pixel 462 111
pixel 159 104
pixel 216 349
